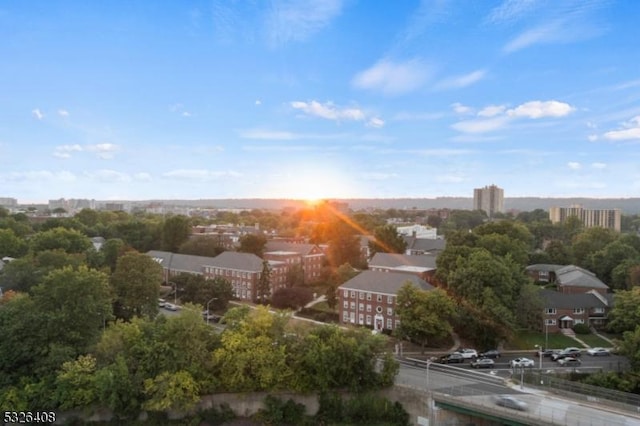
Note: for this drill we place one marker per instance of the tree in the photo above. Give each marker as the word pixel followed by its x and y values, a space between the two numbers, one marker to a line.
pixel 202 246
pixel 263 289
pixel 344 244
pixel 253 243
pixel 625 314
pixel 75 383
pixel 291 298
pixel 136 283
pixel 529 307
pixel 199 290
pixel 20 275
pixel 295 276
pixel 11 245
pixel 559 253
pixel 387 240
pixel 175 231
pixel 629 347
pixel 603 262
pixel 425 315
pixel 87 217
pixel 171 391
pixel 69 240
pixel 590 241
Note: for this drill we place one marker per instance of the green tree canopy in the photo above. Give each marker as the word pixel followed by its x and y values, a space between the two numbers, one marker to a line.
pixel 136 284
pixel 175 232
pixel 69 240
pixel 387 240
pixel 253 243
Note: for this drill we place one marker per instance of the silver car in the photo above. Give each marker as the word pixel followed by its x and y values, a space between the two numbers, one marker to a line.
pixel 509 401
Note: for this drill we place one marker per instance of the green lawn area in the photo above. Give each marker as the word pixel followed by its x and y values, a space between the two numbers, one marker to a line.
pixel 593 340
pixel 527 340
pixel 322 306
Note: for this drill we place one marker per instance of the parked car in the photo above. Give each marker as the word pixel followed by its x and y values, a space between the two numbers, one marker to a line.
pixel 573 352
pixel 599 352
pixel 509 401
pixel 483 363
pixel 161 303
pixel 492 353
pixel 455 357
pixel 170 307
pixel 546 353
pixel 468 353
pixel 569 361
pixel 522 362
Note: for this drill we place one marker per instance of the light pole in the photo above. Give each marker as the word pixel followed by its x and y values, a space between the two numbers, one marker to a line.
pixel 212 299
pixel 540 354
pixel 175 292
pixel 546 334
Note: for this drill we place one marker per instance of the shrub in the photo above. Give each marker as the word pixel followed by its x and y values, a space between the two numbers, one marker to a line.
pixel 581 329
pixel 219 416
pixel 276 412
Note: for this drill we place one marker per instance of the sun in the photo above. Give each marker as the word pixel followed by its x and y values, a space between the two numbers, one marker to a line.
pixel 313 185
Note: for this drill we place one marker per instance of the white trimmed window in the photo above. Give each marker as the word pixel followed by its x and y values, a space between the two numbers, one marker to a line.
pixel 550 311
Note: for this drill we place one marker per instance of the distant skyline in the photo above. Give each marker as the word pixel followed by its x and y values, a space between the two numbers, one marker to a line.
pixel 318 99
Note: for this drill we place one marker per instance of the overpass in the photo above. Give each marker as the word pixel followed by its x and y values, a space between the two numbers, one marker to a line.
pixel 461 396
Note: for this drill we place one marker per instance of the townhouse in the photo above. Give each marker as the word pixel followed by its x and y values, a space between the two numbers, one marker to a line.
pixel 309 256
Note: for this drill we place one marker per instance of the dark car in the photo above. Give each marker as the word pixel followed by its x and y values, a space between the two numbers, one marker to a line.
pixel 492 353
pixel 483 363
pixel 547 353
pixel 451 358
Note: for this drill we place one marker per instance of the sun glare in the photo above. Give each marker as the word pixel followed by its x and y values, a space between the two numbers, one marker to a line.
pixel 313 186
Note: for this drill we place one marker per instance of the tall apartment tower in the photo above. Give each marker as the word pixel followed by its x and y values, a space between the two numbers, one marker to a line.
pixel 604 218
pixel 490 199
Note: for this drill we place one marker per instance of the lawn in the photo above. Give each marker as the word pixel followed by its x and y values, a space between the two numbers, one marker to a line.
pixel 527 340
pixel 593 340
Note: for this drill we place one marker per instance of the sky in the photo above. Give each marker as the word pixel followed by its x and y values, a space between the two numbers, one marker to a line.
pixel 136 100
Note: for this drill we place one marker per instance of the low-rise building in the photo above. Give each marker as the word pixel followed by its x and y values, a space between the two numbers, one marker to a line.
pixel 369 299
pixel 565 310
pixel 422 266
pixel 309 256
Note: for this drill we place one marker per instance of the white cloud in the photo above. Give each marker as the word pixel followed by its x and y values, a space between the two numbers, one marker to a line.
pixel 539 109
pixel 142 176
pixel 258 102
pixel 199 174
pixel 281 135
pixel 64 151
pixel 375 122
pixel 109 176
pixel 481 125
pixel 458 108
pixel 186 114
pixel 63 113
pixel 592 138
pixel 418 116
pixel 328 111
pixel 599 166
pixel 461 81
pixel 511 10
pixel 37 114
pixel 105 151
pixel 631 131
pixel 393 78
pixel 545 33
pixel 573 165
pixel 491 110
pixel 292 20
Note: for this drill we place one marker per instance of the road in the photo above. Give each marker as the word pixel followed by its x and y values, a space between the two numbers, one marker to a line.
pixel 480 388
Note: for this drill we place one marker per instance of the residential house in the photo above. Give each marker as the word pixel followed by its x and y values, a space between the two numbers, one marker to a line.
pixel 418 246
pixel 565 310
pixel 423 266
pixel 572 279
pixel 369 298
pixel 242 270
pixel 310 256
pixel 543 272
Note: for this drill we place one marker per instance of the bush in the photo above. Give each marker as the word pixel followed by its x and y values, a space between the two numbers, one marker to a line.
pixel 276 412
pixel 581 329
pixel 215 416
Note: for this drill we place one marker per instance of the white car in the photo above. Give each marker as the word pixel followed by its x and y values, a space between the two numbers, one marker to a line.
pixel 599 352
pixel 468 353
pixel 170 307
pixel 522 362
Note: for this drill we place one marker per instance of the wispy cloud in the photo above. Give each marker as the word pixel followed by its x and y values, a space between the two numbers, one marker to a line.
pixel 37 114
pixel 283 135
pixel 574 165
pixel 459 108
pixel 106 151
pixel 330 111
pixel 417 116
pixel 393 78
pixel 108 176
pixel 200 174
pixel 292 20
pixel 63 113
pixel 458 82
pixel 511 10
pixel 599 166
pixel 497 117
pixel 630 131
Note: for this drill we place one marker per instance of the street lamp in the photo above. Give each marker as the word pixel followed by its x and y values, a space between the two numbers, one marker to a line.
pixel 428 364
pixel 212 299
pixel 540 354
pixel 546 334
pixel 175 292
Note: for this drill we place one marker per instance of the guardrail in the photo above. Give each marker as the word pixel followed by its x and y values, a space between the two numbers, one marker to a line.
pixel 456 371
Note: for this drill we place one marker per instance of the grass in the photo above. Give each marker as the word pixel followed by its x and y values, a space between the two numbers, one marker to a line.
pixel 527 340
pixel 593 340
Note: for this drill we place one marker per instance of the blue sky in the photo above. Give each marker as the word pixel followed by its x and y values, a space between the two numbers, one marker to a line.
pixel 318 98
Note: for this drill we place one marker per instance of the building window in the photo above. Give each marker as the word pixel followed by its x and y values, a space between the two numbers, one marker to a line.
pixel 360 319
pixel 397 323
pixel 345 317
pixel 353 294
pixel 598 310
pixel 368 319
pixel 550 311
pixel 578 311
pixel 361 306
pixel 361 295
pixel 353 305
pixel 346 293
pixel 389 300
pixel 345 304
pixel 550 322
pixel 379 309
pixel 379 298
pixel 368 296
pixel 368 308
pixel 578 321
pixel 389 311
pixel 389 323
